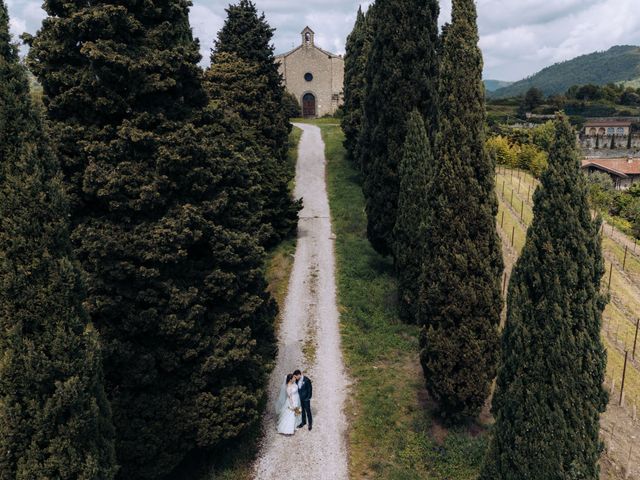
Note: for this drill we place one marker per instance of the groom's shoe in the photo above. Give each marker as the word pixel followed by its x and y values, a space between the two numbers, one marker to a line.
pixel 302 425
pixel 310 427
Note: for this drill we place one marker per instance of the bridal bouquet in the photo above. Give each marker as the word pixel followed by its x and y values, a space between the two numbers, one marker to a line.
pixel 297 411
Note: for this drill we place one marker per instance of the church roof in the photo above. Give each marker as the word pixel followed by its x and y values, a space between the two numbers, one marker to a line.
pixel 332 55
pixel 307 29
pixel 607 123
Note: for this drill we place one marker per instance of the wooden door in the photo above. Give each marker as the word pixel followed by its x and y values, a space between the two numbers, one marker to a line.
pixel 309 105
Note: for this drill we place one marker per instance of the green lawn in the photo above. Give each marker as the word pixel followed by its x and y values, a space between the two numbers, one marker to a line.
pixel 392 434
pixel 318 121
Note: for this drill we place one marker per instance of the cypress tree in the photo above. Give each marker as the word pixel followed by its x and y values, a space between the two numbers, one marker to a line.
pixel 238 87
pixel 460 301
pixel 161 203
pixel 549 392
pixel 248 36
pixel 355 62
pixel 415 173
pixel 55 421
pixel 401 75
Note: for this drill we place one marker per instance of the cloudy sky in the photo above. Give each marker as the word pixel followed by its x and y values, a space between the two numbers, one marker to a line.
pixel 518 37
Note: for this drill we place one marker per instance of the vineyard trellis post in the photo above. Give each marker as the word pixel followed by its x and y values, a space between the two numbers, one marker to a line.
pixel 610 275
pixel 635 340
pixel 522 211
pixel 624 373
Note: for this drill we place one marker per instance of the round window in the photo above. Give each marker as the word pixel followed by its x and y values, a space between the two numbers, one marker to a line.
pixel 308 77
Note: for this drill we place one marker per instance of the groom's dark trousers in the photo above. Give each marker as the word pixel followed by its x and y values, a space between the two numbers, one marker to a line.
pixel 305 390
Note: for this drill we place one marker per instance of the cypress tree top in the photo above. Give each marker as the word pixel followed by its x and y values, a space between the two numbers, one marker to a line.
pixel 243 55
pixel 354 83
pixel 401 75
pixel 549 391
pixel 462 100
pixel 460 299
pixel 8 51
pixel 246 34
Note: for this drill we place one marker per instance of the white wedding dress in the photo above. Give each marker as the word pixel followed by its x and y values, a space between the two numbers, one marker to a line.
pixel 289 401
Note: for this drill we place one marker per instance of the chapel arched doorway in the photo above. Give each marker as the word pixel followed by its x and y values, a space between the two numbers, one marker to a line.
pixel 309 105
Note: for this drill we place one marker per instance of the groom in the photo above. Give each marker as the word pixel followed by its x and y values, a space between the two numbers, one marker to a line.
pixel 305 390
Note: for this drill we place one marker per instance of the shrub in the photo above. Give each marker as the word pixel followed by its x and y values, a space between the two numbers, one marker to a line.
pixel 601 190
pixel 291 106
pixel 501 150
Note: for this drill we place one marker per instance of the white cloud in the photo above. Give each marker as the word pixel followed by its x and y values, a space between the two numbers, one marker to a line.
pixel 518 37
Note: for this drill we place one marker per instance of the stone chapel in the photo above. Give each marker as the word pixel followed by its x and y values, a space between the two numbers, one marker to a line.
pixel 314 76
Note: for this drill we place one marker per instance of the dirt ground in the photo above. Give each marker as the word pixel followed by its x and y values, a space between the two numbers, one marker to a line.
pixel 309 338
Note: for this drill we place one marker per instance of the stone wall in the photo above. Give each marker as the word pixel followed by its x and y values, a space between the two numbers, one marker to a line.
pixel 328 77
pixel 588 144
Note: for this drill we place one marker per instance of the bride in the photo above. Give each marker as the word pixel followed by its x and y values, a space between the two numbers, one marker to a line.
pixel 288 407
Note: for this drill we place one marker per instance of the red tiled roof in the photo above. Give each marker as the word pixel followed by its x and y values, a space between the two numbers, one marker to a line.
pixel 604 123
pixel 622 167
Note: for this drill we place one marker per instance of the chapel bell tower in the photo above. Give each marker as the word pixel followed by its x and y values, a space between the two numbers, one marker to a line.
pixel 307 37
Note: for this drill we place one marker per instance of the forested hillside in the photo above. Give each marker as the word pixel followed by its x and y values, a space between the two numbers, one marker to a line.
pixel 493 85
pixel 618 64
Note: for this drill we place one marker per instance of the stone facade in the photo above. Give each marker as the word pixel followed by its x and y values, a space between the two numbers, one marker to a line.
pixel 314 76
pixel 600 127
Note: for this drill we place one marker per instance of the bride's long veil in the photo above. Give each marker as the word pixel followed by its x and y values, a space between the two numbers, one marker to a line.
pixel 282 398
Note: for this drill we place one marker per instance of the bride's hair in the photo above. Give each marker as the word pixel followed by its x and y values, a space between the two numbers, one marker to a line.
pixel 289 377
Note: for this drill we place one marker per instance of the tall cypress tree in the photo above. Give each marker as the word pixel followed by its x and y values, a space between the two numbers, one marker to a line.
pixel 355 62
pixel 248 36
pixel 549 393
pixel 55 421
pixel 409 232
pixel 232 89
pixel 239 88
pixel 160 199
pixel 401 75
pixel 460 299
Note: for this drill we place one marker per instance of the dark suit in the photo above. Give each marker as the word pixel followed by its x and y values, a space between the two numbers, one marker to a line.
pixel 305 390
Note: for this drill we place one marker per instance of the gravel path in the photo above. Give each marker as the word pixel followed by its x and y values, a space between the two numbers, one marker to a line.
pixel 310 338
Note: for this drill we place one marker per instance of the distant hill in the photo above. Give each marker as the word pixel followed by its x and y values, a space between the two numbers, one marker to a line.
pixel 618 64
pixel 493 85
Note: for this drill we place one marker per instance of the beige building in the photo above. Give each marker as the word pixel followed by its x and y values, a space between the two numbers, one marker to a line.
pixel 314 76
pixel 606 127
